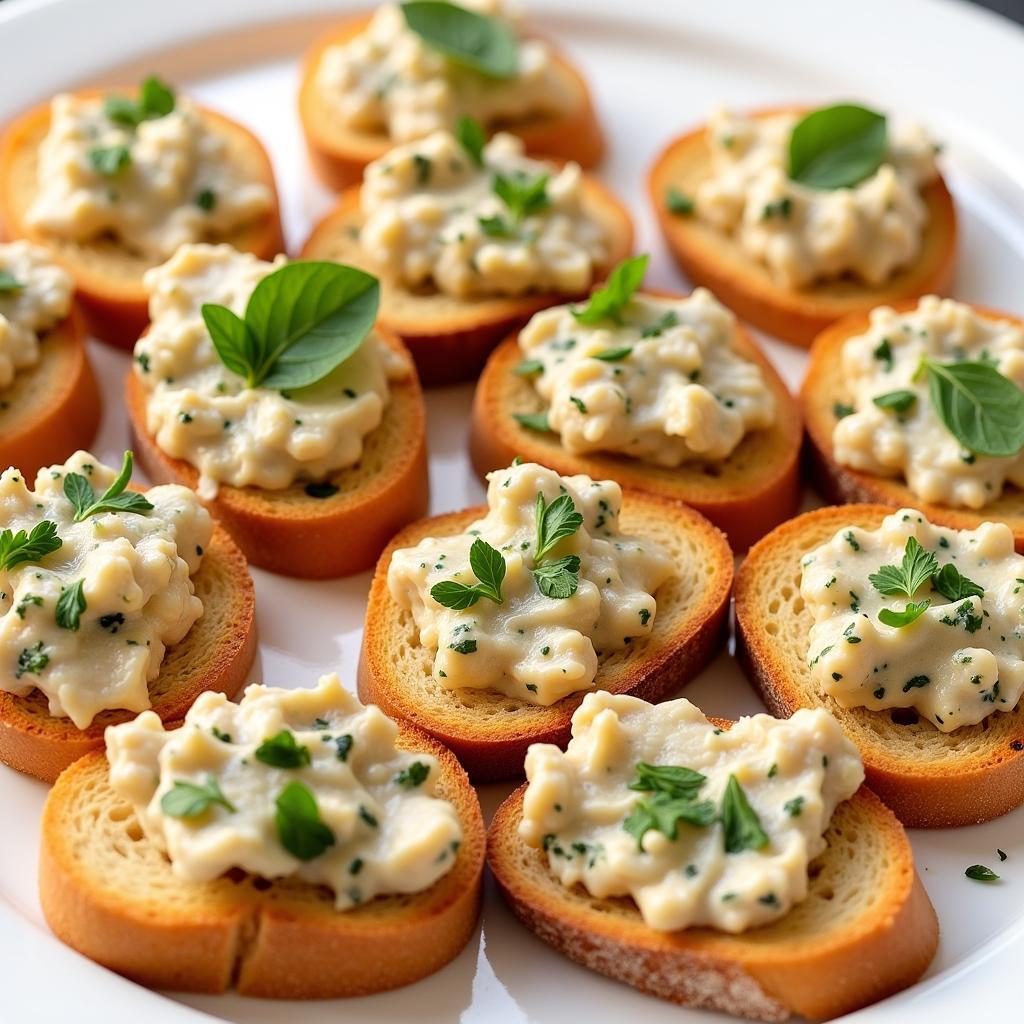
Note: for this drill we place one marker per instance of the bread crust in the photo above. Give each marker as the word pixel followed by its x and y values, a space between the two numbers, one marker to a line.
pixel 339 154
pixel 53 407
pixel 710 258
pixel 823 388
pixel 216 654
pixel 814 962
pixel 450 338
pixel 108 277
pixel 294 534
pixel 745 496
pixel 107 892
pixel 489 733
pixel 929 778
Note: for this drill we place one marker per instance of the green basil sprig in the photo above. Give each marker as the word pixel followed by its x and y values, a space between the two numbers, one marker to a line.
pixel 302 321
pixel 837 147
pixel 466 37
pixel 16 548
pixel 608 302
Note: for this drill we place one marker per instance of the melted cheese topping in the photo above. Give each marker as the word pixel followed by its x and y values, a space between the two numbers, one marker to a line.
pixel 388 79
pixel 200 411
pixel 915 444
pixel 177 187
pixel 538 649
pixel 959 662
pixel 667 387
pixel 804 235
pixel 139 599
pixel 426 205
pixel 42 301
pixel 392 832
pixel 794 773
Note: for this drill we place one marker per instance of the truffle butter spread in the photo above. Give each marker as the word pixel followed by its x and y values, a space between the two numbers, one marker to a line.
pixel 200 411
pixel 586 808
pixel 666 386
pixel 528 645
pixel 433 217
pixel 956 660
pixel 388 79
pixel 801 234
pixel 87 623
pixel 35 295
pixel 387 830
pixel 913 442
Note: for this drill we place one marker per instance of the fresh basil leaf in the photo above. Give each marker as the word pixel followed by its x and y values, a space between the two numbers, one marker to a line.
pixel 70 606
pixel 413 776
pixel 450 594
pixel 980 407
pixel 9 284
pixel 472 138
pixel 524 196
pixel 528 367
pixel 613 355
pixel 537 421
pixel 559 579
pixel 488 565
pixel 906 579
pixel 952 585
pixel 555 521
pixel 16 548
pixel 663 811
pixel 667 778
pixel 235 345
pixel 898 401
pixel 980 873
pixel 467 37
pixel 110 160
pixel 739 820
pixel 608 302
pixel 911 613
pixel 300 828
pixel 79 492
pixel 282 751
pixel 189 800
pixel 837 147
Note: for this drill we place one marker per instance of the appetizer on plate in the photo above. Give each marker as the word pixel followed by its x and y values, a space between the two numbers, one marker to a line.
pixel 921 405
pixel 113 182
pixel 738 867
pixel 486 627
pixel 269 389
pixel 296 845
pixel 49 403
pixel 663 394
pixel 912 635
pixel 112 601
pixel 414 68
pixel 469 240
pixel 796 218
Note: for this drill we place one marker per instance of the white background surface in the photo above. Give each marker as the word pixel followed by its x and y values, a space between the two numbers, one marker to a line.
pixel 656 68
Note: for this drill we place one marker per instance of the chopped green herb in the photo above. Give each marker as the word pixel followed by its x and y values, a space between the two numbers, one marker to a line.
pixel 189 800
pixel 300 829
pixel 282 751
pixel 70 606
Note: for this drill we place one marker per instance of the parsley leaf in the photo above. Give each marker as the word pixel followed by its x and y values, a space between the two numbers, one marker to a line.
pixel 413 776
pixel 488 565
pixel 522 195
pixel 952 585
pixel 300 828
pixel 911 613
pixel 115 498
pixel 608 302
pixel 156 99
pixel 70 606
pixel 555 521
pixel 663 811
pixel 910 575
pixel 282 751
pixel 559 579
pixel 189 800
pixel 472 138
pixel 19 547
pixel 742 827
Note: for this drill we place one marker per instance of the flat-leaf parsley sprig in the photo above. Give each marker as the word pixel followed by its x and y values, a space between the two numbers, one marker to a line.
pixel 488 565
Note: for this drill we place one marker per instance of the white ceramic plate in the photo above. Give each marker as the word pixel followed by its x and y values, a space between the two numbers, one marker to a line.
pixel 657 68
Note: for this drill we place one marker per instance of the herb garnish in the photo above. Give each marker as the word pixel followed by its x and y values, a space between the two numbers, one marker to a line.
pixel 472 138
pixel 980 873
pixel 488 565
pixel 109 160
pixel 32 660
pixel 678 202
pixel 742 827
pixel 523 196
pixel 608 302
pixel 156 100
pixel 898 401
pixel 837 147
pixel 537 421
pixel 413 776
pixel 19 547
pixel 282 751
pixel 674 792
pixel 911 613
pixel 949 582
pixel 70 606
pixel 910 575
pixel 115 498
pixel 555 521
pixel 9 283
pixel 189 800
pixel 464 36
pixel 300 828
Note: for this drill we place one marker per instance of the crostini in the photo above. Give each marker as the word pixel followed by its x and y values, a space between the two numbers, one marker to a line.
pixel 309 448
pixel 663 394
pixel 470 240
pixel 694 831
pixel 391 77
pixel 881 401
pixel 112 601
pixel 485 627
pixel 795 218
pixel 49 402
pixel 113 182
pixel 294 846
pixel 910 635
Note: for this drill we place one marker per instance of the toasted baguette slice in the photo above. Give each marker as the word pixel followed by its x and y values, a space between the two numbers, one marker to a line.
pixel 450 338
pixel 823 388
pixel 53 407
pixel 866 930
pixel 339 153
pixel 295 534
pixel 108 893
pixel 489 732
pixel 929 778
pixel 216 654
pixel 712 258
pixel 745 496
pixel 108 276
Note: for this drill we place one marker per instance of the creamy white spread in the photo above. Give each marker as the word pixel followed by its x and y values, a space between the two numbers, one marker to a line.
pixel 804 235
pixel 666 386
pixel 914 443
pixel 135 574
pixel 390 831
pixel 200 411
pixel 432 217
pixel 793 773
pixel 961 660
pixel 387 79
pixel 176 185
pixel 533 647
pixel 40 300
